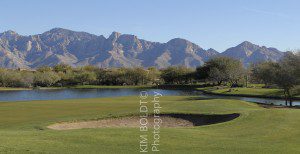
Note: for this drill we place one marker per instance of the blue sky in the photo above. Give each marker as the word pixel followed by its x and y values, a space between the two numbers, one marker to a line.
pixel 219 24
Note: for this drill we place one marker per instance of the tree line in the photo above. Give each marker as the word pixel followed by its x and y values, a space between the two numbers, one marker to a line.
pixel 65 75
pixel 284 74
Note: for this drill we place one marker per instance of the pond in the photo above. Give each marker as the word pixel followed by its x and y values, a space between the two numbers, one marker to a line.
pixel 58 94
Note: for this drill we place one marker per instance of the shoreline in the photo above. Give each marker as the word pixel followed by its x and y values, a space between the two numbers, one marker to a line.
pixel 77 87
pixel 245 95
pixel 171 87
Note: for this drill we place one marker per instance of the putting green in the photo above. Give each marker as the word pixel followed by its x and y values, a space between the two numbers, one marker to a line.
pixel 23 127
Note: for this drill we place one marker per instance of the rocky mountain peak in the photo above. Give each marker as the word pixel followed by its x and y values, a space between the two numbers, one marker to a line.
pixel 60 45
pixel 178 41
pixel 252 53
pixel 211 50
pixel 114 36
pixel 59 30
pixel 182 44
pixel 67 33
pixel 9 34
pixel 64 36
pixel 248 45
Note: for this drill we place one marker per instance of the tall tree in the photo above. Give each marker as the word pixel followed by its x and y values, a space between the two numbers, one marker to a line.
pixel 45 79
pixel 221 69
pixel 62 68
pixel 177 75
pixel 287 75
pixel 264 72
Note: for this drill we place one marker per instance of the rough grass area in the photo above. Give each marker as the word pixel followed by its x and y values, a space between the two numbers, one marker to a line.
pixel 242 91
pixel 257 130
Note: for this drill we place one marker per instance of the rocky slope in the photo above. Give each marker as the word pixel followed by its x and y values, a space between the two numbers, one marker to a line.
pixel 118 50
pixel 251 53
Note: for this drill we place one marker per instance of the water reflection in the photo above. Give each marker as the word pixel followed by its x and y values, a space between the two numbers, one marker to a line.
pixel 56 94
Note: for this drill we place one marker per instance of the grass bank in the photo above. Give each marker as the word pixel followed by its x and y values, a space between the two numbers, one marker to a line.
pixel 247 92
pixel 177 87
pixel 80 87
pixel 12 89
pixel 109 87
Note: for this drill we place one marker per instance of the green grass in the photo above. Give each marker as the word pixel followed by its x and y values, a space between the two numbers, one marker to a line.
pixel 126 86
pixel 108 87
pixel 258 130
pixel 79 87
pixel 257 91
pixel 11 89
pixel 251 91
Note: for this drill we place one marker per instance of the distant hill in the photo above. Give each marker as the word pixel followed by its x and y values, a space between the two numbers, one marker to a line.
pixel 251 53
pixel 118 50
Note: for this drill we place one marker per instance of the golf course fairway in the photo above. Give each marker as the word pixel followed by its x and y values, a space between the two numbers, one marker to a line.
pixel 23 127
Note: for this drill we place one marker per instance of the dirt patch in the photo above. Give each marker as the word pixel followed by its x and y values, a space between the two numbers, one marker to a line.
pixel 167 120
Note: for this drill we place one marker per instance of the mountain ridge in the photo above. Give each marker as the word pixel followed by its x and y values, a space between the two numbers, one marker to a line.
pixel 74 48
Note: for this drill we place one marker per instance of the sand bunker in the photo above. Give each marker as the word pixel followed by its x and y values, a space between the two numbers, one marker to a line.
pixel 167 120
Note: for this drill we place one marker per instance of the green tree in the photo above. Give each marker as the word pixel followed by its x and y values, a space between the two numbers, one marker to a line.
pixel 153 75
pixel 15 78
pixel 45 79
pixel 62 68
pixel 264 72
pixel 44 69
pixel 177 75
pixel 136 76
pixel 287 75
pixel 221 69
pixel 67 79
pixel 85 77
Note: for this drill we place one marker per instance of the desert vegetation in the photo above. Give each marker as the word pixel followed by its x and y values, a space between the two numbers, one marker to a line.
pixel 285 74
pixel 219 71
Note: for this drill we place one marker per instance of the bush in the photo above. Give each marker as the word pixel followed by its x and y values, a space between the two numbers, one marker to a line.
pixel 45 79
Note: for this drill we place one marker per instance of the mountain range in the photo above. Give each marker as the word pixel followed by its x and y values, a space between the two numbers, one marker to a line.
pixel 118 50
